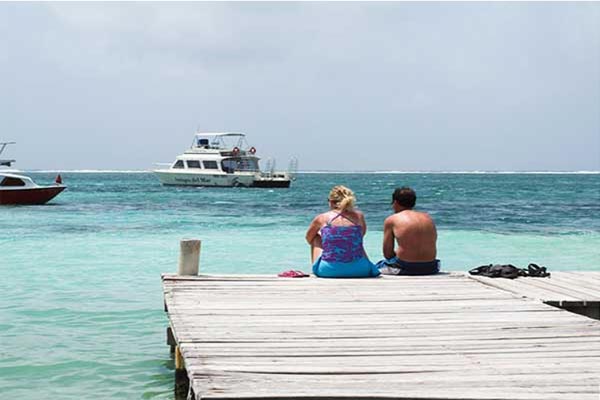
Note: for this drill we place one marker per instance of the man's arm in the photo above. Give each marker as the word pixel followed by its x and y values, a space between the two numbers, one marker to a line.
pixel 388 238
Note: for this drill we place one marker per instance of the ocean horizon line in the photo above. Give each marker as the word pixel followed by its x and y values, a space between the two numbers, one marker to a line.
pixel 466 172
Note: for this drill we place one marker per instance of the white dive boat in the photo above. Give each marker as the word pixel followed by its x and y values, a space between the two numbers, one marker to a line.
pixel 20 189
pixel 225 160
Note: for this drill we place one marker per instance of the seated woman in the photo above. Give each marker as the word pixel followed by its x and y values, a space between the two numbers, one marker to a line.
pixel 336 239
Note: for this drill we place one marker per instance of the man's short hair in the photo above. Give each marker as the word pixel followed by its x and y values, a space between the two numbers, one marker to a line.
pixel 405 196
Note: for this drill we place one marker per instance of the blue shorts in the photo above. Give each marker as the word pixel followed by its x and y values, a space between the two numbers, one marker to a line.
pixel 396 266
pixel 360 268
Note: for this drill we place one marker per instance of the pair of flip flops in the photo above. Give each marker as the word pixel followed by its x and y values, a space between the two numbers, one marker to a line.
pixel 509 271
pixel 293 273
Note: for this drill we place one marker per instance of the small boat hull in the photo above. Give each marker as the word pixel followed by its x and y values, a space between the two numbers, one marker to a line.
pixel 30 196
pixel 272 183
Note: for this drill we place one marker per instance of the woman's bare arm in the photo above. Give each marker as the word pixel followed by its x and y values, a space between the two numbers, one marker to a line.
pixel 313 228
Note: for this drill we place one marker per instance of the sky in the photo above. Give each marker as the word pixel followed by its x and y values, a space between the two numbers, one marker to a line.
pixel 389 86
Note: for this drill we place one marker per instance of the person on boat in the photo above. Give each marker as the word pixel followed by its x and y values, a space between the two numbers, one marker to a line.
pixel 336 239
pixel 415 235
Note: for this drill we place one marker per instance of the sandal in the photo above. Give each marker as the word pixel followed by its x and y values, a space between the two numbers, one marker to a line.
pixel 293 274
pixel 537 271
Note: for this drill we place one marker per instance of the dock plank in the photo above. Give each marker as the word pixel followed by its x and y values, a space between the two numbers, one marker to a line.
pixel 561 287
pixel 438 337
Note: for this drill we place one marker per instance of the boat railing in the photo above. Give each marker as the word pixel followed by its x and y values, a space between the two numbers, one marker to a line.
pixel 293 168
pixel 269 170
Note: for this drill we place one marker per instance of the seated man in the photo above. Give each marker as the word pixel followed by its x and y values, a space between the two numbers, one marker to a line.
pixel 415 235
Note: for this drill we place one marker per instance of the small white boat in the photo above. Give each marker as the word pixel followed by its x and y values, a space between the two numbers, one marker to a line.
pixel 20 189
pixel 223 160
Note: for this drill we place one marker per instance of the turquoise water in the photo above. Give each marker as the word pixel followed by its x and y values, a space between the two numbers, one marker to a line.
pixel 81 312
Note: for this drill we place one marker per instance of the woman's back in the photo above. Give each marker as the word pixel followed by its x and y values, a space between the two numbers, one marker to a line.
pixel 336 239
pixel 342 238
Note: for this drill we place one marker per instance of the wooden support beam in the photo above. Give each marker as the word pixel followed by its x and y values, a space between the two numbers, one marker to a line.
pixel 171 339
pixel 182 381
pixel 182 384
pixel 179 362
pixel 590 309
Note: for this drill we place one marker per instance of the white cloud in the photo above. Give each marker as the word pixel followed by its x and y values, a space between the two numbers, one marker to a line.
pixel 430 76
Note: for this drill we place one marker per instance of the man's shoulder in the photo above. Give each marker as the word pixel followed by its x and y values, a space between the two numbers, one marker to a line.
pixel 392 219
pixel 407 217
pixel 424 214
pixel 420 218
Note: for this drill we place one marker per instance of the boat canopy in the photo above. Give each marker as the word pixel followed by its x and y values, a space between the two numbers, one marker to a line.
pixel 219 140
pixel 220 134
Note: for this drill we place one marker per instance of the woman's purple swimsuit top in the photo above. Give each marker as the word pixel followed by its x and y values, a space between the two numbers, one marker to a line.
pixel 341 243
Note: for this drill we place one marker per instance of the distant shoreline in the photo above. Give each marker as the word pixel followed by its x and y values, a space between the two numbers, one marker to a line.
pixel 99 171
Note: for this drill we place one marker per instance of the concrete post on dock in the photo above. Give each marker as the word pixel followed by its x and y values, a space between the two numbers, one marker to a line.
pixel 189 257
pixel 189 264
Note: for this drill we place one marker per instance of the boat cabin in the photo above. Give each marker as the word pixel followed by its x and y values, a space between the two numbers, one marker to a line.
pixel 227 164
pixel 227 152
pixel 9 180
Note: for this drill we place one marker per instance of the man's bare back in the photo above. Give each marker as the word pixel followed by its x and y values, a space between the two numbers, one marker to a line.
pixel 412 233
pixel 415 236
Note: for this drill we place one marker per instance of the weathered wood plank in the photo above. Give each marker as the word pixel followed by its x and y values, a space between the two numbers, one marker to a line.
pixel 443 337
pixel 560 287
pixel 438 384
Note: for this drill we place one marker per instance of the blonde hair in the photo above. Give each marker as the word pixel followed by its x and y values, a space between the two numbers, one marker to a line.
pixel 342 197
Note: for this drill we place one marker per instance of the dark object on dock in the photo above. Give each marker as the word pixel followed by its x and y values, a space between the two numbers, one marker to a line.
pixel 509 271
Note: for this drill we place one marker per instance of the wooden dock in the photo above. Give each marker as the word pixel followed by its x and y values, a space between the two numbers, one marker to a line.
pixel 438 337
pixel 573 291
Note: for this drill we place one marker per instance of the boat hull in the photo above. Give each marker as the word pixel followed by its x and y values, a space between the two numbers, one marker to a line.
pixel 169 178
pixel 272 183
pixel 210 180
pixel 29 196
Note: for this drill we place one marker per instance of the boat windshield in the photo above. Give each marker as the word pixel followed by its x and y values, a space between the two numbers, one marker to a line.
pixel 10 181
pixel 233 164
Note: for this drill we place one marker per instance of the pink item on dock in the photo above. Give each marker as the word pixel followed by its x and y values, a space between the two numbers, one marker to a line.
pixel 293 274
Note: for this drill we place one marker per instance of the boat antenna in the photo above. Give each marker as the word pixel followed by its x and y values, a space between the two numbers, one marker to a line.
pixel 4 144
pixel 6 163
